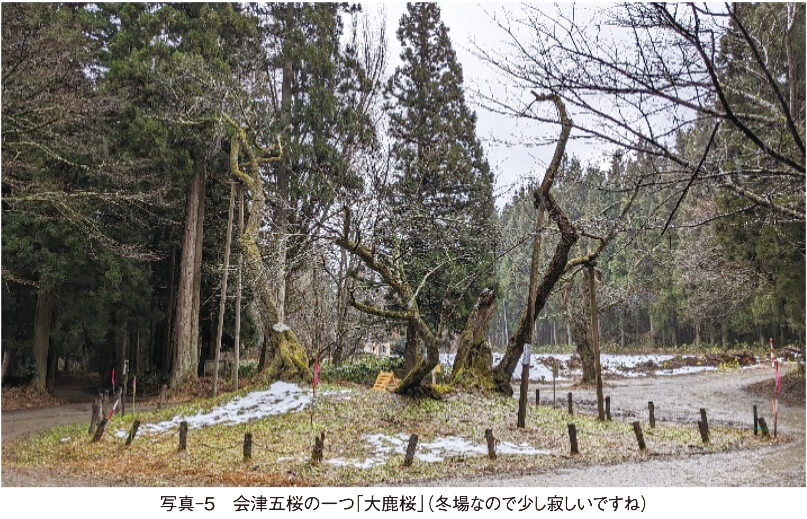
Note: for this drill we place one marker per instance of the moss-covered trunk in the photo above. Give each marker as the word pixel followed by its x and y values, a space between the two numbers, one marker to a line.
pixel 287 359
pixel 473 363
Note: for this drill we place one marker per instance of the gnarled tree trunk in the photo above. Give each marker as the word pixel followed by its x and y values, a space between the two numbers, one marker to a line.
pixel 473 363
pixel 578 313
pixel 287 359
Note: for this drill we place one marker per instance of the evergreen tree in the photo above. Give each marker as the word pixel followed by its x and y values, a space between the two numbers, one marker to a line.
pixel 443 190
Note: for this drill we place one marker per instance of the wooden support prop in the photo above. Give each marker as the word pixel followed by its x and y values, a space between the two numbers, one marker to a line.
pixel 571 408
pixel 410 450
pixel 573 438
pixel 319 446
pixel 608 408
pixel 756 421
pixel 161 402
pixel 705 421
pixel 122 395
pixel 537 397
pixel 96 413
pixel 491 443
pixel 183 436
pixel 247 446
pixel 133 432
pixel 637 430
pixel 763 426
pixel 704 430
pixel 99 432
pixel 651 408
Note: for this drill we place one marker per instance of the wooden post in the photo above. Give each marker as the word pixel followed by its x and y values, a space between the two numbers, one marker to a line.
pixel 410 450
pixel 223 298
pixel 491 443
pixel 247 446
pixel 571 409
pixel 237 338
pixel 704 430
pixel 554 376
pixel 95 416
pixel 608 408
pixel 525 381
pixel 652 411
pixel 573 438
pixel 133 432
pixel 319 446
pixel 183 436
pixel 763 426
pixel 99 432
pixel 161 402
pixel 705 421
pixel 595 336
pixel 637 430
pixel 756 422
pixel 537 397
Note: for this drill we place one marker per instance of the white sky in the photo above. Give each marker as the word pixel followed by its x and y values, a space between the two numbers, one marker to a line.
pixel 470 24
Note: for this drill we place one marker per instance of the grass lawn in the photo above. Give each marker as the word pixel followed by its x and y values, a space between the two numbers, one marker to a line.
pixel 348 415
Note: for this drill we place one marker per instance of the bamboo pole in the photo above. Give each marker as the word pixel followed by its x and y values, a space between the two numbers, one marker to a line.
pixel 223 299
pixel 237 345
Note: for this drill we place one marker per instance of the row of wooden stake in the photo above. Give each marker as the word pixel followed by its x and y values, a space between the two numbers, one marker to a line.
pixel 319 441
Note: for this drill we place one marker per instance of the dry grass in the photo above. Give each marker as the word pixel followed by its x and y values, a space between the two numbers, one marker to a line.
pixel 25 397
pixel 281 447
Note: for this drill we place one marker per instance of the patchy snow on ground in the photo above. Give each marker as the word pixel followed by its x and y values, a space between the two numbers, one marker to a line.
pixel 430 452
pixel 624 365
pixel 279 398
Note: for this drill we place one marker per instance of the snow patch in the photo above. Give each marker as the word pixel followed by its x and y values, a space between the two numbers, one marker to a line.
pixel 443 446
pixel 281 397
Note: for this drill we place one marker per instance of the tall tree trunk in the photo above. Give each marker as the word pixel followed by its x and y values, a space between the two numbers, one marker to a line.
pixel 186 322
pixel 42 318
pixel 237 339
pixel 223 298
pixel 196 335
pixel 342 301
pixel 165 356
pixel 53 361
pixel 289 361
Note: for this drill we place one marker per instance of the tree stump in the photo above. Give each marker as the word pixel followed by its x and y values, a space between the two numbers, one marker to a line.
pixel 637 430
pixel 756 421
pixel 573 438
pixel 571 409
pixel 608 408
pixel 763 426
pixel 410 450
pixel 319 446
pixel 183 436
pixel 704 430
pixel 133 432
pixel 652 411
pixel 491 443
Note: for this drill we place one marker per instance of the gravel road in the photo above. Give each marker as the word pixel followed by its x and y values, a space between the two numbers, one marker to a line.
pixel 678 399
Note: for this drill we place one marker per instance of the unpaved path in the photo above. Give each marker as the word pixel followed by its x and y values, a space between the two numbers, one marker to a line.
pixel 678 399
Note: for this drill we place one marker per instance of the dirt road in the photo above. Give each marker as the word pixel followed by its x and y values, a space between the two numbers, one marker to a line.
pixel 679 399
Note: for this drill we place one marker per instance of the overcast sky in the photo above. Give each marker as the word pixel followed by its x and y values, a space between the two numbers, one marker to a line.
pixel 472 24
